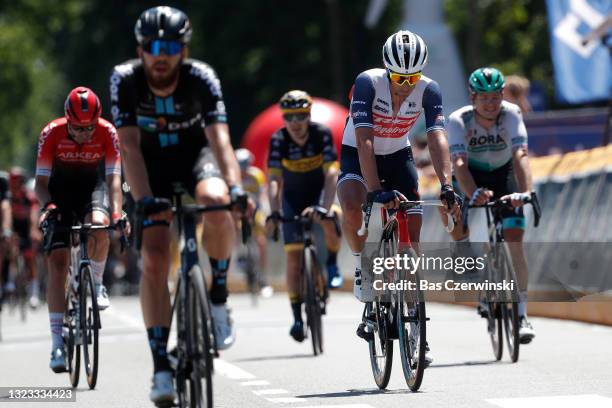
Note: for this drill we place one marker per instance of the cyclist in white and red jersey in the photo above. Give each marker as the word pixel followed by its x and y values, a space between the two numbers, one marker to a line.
pixel 488 144
pixel 376 156
pixel 78 178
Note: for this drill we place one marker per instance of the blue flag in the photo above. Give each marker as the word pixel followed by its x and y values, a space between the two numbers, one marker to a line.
pixel 582 70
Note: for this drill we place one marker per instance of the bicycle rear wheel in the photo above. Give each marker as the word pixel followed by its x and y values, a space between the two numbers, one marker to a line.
pixel 412 328
pixel 380 346
pixel 90 326
pixel 313 305
pixel 197 368
pixel 509 307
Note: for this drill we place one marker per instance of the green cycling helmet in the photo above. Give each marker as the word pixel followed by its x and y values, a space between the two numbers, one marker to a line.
pixel 486 80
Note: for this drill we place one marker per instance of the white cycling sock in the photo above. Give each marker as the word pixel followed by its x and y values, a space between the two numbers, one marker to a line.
pixel 97 268
pixel 357 256
pixel 522 306
pixel 56 321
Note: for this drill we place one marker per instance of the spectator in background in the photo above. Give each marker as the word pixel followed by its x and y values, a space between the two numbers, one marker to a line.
pixel 517 90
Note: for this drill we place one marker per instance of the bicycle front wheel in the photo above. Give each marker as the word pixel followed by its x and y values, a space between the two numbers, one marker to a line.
pixel 90 326
pixel 412 329
pixel 509 307
pixel 313 304
pixel 199 346
pixel 380 345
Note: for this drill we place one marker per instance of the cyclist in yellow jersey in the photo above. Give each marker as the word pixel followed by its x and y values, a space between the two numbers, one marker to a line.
pixel 254 183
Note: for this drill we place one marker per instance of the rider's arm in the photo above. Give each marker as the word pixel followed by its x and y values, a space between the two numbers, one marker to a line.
pixel 330 167
pixel 123 109
pixel 520 159
pixel 133 162
pixel 361 112
pixel 275 171
pixel 219 140
pixel 42 189
pixel 113 172
pixel 436 136
pixel 459 155
pixel 7 216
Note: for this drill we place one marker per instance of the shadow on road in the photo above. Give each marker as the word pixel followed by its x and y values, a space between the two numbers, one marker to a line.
pixel 465 363
pixel 356 393
pixel 272 358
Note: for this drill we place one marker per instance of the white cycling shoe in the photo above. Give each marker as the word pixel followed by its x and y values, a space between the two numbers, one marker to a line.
pixel 102 297
pixel 162 391
pixel 225 334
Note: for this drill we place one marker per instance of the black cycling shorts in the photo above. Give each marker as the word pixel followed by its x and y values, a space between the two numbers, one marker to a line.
pixel 396 171
pixel 164 174
pixel 74 204
pixel 502 182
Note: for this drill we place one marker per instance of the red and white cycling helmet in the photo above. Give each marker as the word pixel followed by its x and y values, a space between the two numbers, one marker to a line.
pixel 82 107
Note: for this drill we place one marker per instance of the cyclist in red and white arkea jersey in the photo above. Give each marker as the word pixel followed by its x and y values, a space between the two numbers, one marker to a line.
pixel 78 178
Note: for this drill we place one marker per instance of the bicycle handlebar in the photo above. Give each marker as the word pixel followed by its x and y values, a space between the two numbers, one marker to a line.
pixel 50 227
pixel 526 198
pixel 403 206
pixel 322 212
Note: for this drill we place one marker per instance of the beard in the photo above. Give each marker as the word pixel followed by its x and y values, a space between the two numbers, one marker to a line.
pixel 161 81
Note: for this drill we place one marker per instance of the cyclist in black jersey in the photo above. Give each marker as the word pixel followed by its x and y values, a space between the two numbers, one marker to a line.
pixel 303 170
pixel 172 126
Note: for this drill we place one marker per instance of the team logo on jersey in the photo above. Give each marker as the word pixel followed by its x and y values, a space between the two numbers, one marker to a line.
pixel 488 142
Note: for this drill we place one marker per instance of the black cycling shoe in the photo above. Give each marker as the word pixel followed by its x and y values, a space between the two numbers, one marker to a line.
pixel 297 331
pixel 362 333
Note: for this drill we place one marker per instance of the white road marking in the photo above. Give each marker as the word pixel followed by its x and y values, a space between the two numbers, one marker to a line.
pixel 255 382
pixel 559 401
pixel 271 391
pixel 340 406
pixel 231 371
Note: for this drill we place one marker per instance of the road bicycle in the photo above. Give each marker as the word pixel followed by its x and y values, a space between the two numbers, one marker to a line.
pixel 396 314
pixel 500 307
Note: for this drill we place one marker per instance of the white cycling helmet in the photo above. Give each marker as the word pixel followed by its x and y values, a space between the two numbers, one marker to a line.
pixel 245 158
pixel 405 53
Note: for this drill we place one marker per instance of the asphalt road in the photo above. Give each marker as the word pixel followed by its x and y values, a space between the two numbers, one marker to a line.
pixel 569 364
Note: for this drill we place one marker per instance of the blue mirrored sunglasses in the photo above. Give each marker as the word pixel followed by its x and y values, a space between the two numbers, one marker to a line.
pixel 156 47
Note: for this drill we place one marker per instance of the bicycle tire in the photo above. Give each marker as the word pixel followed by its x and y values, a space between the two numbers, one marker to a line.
pixel 200 336
pixel 90 325
pixel 73 351
pixel 412 331
pixel 495 329
pixel 313 308
pixel 383 362
pixel 509 313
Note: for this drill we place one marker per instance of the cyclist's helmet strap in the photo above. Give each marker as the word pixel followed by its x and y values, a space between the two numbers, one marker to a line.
pixel 486 80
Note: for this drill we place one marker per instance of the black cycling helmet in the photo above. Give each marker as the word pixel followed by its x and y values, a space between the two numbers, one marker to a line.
pixel 163 23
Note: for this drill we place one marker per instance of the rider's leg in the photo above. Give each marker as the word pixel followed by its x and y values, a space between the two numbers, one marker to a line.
pixel 514 238
pixel 98 245
pixel 294 287
pixel 154 293
pixel 332 242
pixel 58 269
pixel 218 234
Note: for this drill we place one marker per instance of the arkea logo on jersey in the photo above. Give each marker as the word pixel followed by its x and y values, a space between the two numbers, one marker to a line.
pixel 79 156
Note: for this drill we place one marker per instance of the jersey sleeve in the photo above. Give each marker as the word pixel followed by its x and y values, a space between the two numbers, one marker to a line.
pixel 361 104
pixel 432 105
pixel 46 151
pixel 275 156
pixel 456 136
pixel 516 128
pixel 112 153
pixel 330 157
pixel 209 88
pixel 123 96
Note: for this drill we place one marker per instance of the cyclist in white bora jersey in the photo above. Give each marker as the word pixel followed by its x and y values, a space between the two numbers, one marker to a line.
pixel 488 144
